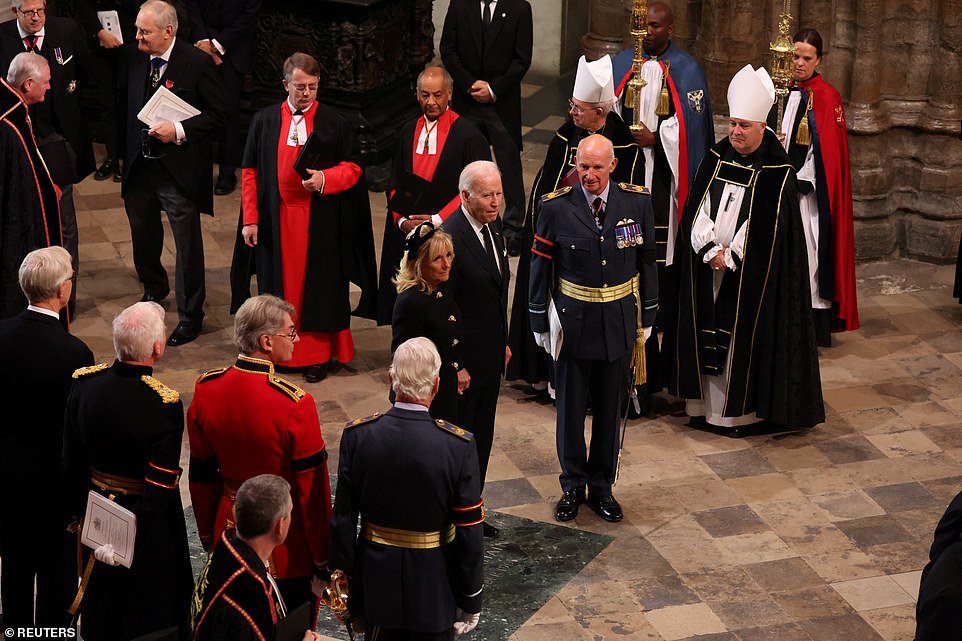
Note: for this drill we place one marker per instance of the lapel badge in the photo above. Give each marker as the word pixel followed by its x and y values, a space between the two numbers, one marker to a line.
pixel 169 84
pixel 694 100
pixel 71 86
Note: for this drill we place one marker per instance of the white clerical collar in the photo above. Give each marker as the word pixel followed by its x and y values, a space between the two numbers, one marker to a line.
pixel 414 407
pixel 45 312
pixel 290 105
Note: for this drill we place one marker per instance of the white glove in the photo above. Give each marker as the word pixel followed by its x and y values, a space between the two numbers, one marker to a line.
pixel 105 554
pixel 543 339
pixel 647 331
pixel 465 622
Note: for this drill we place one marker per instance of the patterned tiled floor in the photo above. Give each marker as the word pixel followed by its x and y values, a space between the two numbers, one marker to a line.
pixel 812 536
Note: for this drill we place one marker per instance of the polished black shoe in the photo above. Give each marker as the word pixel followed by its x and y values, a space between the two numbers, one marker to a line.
pixel 226 183
pixel 106 170
pixel 151 297
pixel 568 504
pixel 118 173
pixel 316 373
pixel 489 530
pixel 607 508
pixel 185 332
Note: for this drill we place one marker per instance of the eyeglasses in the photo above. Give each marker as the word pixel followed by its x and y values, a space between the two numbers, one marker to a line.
pixel 299 88
pixel 291 334
pixel 34 13
pixel 578 109
pixel 147 143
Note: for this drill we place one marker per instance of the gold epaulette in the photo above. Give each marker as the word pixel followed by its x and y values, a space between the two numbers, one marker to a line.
pixel 212 373
pixel 554 194
pixel 90 369
pixel 635 189
pixel 167 394
pixel 361 421
pixel 289 388
pixel 451 428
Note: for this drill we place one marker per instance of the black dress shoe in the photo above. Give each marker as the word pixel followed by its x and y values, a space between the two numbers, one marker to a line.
pixel 118 173
pixel 225 184
pixel 150 297
pixel 106 170
pixel 489 530
pixel 607 508
pixel 185 332
pixel 316 373
pixel 568 504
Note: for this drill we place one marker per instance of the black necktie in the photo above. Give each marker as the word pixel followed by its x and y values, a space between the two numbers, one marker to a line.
pixel 489 247
pixel 598 206
pixel 31 42
pixel 155 66
pixel 486 14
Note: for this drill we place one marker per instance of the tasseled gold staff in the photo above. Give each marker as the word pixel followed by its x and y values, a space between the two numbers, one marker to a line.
pixel 783 50
pixel 639 30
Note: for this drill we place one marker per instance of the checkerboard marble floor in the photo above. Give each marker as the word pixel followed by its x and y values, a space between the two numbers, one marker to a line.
pixel 812 536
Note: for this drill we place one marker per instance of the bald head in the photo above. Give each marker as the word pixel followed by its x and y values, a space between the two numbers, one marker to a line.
pixel 435 87
pixel 595 161
pixel 661 26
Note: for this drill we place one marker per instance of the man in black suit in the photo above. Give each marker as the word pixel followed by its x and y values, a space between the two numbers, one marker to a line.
pixel 487 51
pixel 479 283
pixel 168 165
pixel 30 450
pixel 225 30
pixel 421 510
pixel 593 264
pixel 58 124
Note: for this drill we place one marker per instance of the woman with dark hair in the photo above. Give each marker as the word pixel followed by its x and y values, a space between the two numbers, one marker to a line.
pixel 421 309
pixel 817 143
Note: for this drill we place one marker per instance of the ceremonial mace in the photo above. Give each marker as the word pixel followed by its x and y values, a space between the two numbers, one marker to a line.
pixel 783 52
pixel 335 597
pixel 638 31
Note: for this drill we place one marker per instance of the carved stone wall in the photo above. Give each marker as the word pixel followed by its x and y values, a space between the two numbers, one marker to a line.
pixel 898 66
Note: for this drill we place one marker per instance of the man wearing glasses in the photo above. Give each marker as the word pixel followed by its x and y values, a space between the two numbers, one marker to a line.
pixel 306 235
pixel 245 421
pixel 168 166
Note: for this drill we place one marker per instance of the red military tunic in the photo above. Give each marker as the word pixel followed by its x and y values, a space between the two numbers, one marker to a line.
pixel 246 421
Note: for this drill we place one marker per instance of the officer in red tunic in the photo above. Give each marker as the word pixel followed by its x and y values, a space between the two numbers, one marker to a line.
pixel 245 421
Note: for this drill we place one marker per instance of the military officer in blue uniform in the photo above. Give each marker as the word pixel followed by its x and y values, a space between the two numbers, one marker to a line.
pixel 415 568
pixel 593 265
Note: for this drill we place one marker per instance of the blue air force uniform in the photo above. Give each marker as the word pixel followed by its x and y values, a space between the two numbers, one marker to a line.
pixel 598 270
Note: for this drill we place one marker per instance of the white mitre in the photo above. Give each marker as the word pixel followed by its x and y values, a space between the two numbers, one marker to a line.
pixel 594 81
pixel 751 94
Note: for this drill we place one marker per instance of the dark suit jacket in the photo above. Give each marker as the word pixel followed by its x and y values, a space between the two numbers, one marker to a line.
pixel 500 57
pixel 30 449
pixel 61 106
pixel 191 75
pixel 231 24
pixel 482 296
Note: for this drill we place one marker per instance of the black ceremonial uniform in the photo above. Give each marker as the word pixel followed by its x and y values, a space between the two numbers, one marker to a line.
pixel 234 598
pixel 122 435
pixel 590 279
pixel 528 361
pixel 419 553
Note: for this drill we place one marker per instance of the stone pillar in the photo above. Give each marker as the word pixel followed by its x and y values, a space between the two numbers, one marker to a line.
pixel 607 28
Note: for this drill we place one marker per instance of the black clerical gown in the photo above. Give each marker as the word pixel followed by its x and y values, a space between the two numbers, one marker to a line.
pixel 762 314
pixel 528 361
pixel 464 144
pixel 29 209
pixel 341 239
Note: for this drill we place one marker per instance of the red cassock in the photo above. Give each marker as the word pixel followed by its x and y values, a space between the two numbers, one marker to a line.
pixel 246 421
pixel 295 215
pixel 833 138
